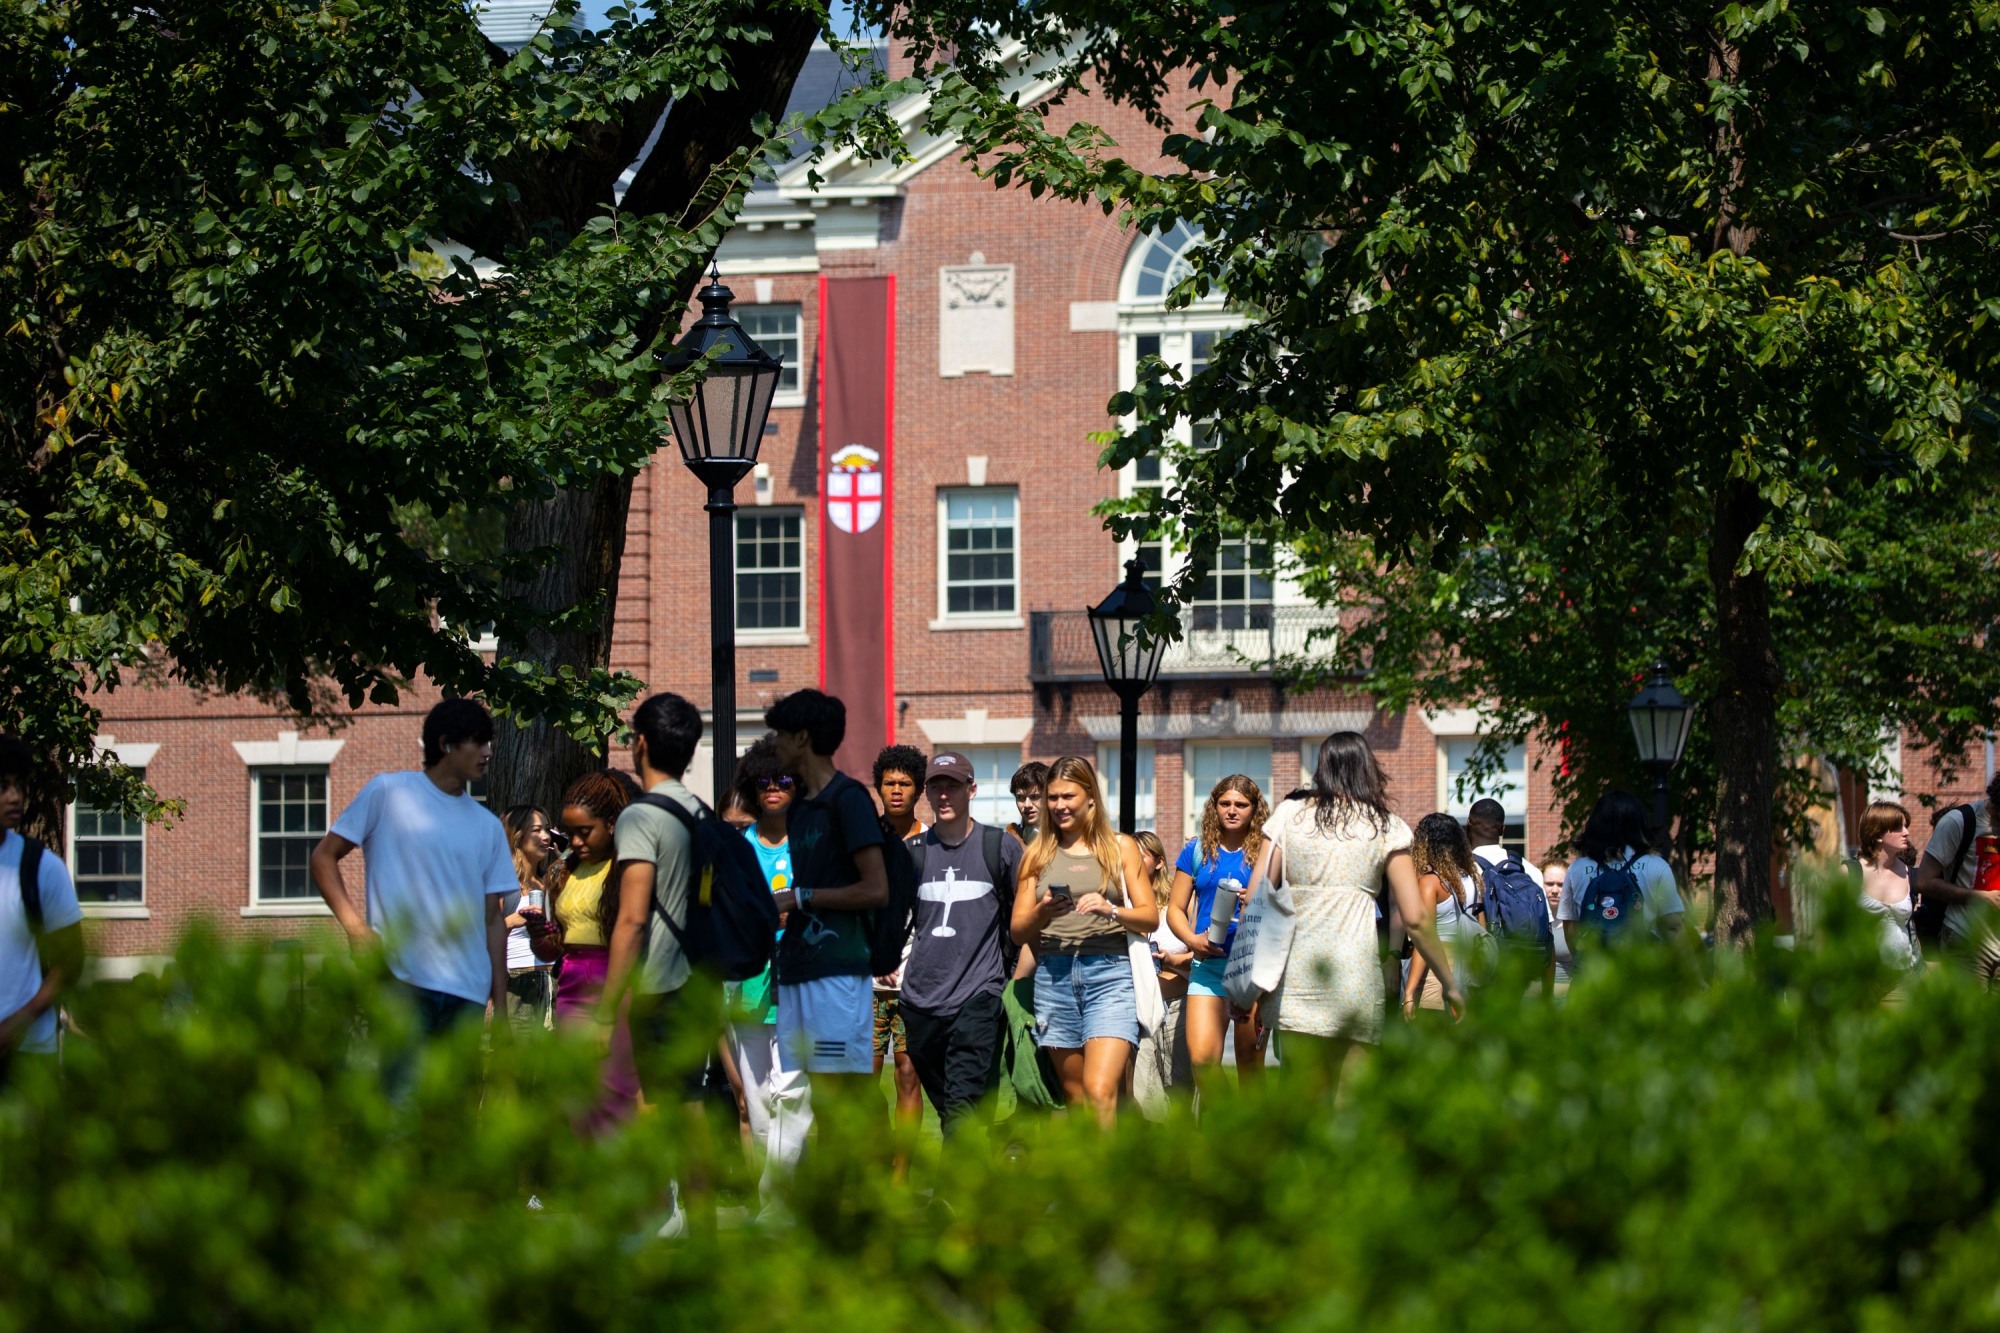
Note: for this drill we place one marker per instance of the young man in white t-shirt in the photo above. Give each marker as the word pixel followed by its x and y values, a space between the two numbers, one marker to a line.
pixel 439 873
pixel 28 990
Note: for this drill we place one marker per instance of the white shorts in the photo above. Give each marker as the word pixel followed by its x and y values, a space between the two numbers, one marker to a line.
pixel 827 1026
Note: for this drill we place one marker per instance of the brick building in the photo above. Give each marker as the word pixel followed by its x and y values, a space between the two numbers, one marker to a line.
pixel 1014 321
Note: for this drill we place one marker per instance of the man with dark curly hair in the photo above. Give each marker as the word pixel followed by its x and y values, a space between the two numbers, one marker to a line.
pixel 899 781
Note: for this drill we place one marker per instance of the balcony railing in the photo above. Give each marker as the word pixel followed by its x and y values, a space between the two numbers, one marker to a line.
pixel 1225 641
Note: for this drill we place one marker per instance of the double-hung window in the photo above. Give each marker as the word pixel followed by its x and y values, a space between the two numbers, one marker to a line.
pixel 770 571
pixel 288 817
pixel 775 328
pixel 108 854
pixel 980 568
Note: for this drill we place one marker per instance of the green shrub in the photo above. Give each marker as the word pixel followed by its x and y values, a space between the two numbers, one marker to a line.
pixel 1766 1146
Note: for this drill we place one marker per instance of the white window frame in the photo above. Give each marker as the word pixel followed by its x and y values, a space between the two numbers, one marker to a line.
pixel 312 905
pixel 1193 798
pixel 1145 811
pixel 133 756
pixel 1452 803
pixel 795 635
pixel 795 397
pixel 287 751
pixel 946 618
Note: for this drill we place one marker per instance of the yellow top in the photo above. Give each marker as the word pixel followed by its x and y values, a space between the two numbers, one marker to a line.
pixel 576 905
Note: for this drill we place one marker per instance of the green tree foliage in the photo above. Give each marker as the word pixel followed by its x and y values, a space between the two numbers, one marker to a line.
pixel 1732 253
pixel 285 298
pixel 1551 621
pixel 1772 1149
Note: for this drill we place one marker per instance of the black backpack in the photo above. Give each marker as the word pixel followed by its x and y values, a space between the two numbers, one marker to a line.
pixel 732 918
pixel 1928 919
pixel 1517 910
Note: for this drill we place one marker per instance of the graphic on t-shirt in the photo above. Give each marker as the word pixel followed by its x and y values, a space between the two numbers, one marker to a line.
pixel 951 889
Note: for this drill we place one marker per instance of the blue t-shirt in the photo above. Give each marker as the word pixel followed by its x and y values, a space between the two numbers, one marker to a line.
pixel 754 996
pixel 1225 864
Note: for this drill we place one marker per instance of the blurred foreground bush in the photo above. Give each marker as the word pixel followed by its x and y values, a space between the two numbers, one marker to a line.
pixel 1766 1147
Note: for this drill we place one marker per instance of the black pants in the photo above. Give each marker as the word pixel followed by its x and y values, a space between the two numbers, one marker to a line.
pixel 955 1055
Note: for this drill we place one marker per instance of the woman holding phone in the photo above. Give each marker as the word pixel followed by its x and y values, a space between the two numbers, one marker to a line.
pixel 1210 879
pixel 1081 888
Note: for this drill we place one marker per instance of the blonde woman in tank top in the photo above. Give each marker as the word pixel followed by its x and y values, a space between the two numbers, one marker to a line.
pixel 1342 854
pixel 1080 889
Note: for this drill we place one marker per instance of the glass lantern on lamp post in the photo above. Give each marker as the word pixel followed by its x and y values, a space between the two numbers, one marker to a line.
pixel 1661 718
pixel 1130 659
pixel 719 430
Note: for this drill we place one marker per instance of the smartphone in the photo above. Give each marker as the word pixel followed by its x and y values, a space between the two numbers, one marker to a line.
pixel 1061 891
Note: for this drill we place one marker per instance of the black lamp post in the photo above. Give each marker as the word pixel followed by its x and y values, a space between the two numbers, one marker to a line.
pixel 1130 661
pixel 719 430
pixel 1660 722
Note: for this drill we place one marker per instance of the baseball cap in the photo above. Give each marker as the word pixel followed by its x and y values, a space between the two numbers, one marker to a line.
pixel 949 764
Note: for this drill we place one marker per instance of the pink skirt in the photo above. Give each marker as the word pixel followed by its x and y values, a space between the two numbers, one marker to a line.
pixel 579 987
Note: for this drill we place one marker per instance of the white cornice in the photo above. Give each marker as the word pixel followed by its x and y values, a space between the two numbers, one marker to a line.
pixel 285 751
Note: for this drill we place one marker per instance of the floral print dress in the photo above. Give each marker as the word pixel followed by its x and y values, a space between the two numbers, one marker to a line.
pixel 1332 985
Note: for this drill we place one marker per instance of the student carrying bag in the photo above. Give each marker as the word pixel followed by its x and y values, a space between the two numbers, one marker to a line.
pixel 732 919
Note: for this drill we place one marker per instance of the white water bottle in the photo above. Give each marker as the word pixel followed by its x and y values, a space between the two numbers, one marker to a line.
pixel 1221 913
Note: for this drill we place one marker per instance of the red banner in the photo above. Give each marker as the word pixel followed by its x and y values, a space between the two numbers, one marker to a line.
pixel 857 368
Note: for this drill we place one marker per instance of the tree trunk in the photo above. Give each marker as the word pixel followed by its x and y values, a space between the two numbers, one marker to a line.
pixel 1745 722
pixel 533 762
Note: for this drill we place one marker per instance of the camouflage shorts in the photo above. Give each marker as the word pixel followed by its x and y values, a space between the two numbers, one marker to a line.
pixel 889 1026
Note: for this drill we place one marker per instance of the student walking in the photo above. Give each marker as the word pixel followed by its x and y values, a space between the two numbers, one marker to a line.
pixel 1947 873
pixel 1341 854
pixel 1162 1065
pixel 654 853
pixel 899 782
pixel 583 912
pixel 777 1101
pixel 956 967
pixel 1446 874
pixel 531 987
pixel 826 1008
pixel 1885 884
pixel 1082 887
pixel 1617 889
pixel 1026 789
pixel 1211 877
pixel 439 873
pixel 41 926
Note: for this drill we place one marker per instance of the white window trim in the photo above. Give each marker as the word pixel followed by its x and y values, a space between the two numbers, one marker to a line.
pixel 132 754
pixel 977 727
pixel 288 751
pixel 314 906
pixel 946 620
pixel 784 638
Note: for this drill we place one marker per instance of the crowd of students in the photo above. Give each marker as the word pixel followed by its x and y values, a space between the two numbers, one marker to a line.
pixel 1055 950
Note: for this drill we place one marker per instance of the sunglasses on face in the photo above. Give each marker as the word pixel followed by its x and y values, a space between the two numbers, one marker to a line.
pixel 774 784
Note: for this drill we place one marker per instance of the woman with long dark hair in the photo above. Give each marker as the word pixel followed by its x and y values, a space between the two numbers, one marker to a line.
pixel 1212 876
pixel 1441 854
pixel 582 910
pixel 1081 887
pixel 1614 865
pixel 1342 855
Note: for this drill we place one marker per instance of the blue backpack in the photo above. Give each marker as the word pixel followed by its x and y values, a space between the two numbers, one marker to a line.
pixel 1613 902
pixel 1517 911
pixel 732 919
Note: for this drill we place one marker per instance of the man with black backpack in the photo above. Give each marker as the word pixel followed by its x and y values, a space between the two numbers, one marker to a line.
pixel 840 880
pixel 655 853
pixel 41 923
pixel 1511 898
pixel 1945 877
pixel 957 967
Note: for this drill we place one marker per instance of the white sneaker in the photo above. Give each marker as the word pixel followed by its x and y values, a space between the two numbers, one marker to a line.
pixel 675 1227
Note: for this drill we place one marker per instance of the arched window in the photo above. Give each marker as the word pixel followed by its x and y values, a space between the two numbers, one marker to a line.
pixel 1158 261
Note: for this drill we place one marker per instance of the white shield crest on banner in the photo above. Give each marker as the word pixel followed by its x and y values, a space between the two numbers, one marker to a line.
pixel 854 488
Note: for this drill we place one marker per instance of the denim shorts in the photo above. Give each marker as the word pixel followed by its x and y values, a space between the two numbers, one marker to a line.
pixel 1084 996
pixel 1205 977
